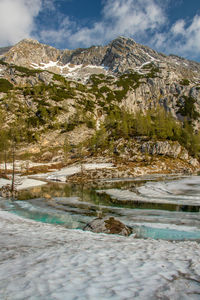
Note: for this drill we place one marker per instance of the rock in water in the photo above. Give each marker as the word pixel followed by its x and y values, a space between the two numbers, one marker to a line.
pixel 108 225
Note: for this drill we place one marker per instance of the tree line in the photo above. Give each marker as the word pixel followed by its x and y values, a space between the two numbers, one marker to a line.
pixel 155 124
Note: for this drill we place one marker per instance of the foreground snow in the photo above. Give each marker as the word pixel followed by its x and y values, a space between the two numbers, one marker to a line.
pixel 41 261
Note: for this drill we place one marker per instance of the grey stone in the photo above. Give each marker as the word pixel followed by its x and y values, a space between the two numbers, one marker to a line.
pixel 108 225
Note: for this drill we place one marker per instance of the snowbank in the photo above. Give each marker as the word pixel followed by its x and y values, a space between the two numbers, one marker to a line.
pixel 64 172
pixel 24 183
pixel 41 261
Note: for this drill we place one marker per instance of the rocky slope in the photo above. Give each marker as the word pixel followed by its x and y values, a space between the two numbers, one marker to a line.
pixel 170 80
pixel 67 95
pixel 119 56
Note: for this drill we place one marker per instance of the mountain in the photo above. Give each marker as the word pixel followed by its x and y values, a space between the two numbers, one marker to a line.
pixel 102 94
pixel 119 56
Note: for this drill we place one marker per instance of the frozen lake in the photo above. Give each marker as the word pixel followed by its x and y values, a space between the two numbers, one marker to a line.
pixel 157 207
pixel 48 261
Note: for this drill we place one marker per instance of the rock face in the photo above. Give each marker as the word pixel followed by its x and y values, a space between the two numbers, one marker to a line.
pixel 119 56
pixel 170 81
pixel 165 148
pixel 91 56
pixel 30 51
pixel 108 225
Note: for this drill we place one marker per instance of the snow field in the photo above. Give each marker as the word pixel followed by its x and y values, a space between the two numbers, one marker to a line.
pixel 41 261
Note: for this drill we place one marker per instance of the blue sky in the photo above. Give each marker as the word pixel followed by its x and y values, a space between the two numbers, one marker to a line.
pixel 165 25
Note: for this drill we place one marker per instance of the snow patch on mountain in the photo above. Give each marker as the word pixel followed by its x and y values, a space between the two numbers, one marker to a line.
pixel 77 72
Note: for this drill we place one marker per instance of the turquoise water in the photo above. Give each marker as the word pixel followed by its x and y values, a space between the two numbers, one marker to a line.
pixel 74 206
pixel 167 234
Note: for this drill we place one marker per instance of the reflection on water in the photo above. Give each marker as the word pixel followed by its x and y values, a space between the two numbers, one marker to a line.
pixel 73 206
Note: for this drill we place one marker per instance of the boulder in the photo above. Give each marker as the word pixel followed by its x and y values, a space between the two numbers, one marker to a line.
pixel 108 225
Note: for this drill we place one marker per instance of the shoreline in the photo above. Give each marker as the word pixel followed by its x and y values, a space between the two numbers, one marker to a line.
pixel 97 170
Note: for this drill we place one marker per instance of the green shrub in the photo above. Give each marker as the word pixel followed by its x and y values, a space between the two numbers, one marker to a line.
pixel 89 105
pixel 26 71
pixel 5 85
pixel 58 77
pixel 80 87
pixel 104 89
pixel 3 63
pixel 184 82
pixel 187 108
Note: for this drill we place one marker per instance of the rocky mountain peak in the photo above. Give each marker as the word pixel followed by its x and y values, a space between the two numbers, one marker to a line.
pixel 123 41
pixel 118 57
pixel 29 41
pixel 30 51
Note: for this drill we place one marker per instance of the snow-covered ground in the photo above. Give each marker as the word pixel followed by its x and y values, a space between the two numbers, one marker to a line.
pixel 22 165
pixel 41 261
pixel 64 172
pixel 71 71
pixel 126 195
pixel 23 182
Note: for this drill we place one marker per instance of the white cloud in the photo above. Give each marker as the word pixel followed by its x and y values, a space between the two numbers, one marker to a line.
pixel 178 27
pixel 57 36
pixel 17 19
pixel 183 38
pixel 144 20
pixel 119 17
pixel 189 44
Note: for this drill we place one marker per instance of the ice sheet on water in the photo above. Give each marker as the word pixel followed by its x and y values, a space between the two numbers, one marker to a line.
pixel 175 187
pixel 184 191
pixel 126 195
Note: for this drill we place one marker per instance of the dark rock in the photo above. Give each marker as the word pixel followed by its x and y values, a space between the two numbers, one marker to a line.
pixel 108 225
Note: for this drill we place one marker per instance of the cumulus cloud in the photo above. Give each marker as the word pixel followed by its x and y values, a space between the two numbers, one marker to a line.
pixel 183 38
pixel 144 20
pixel 58 35
pixel 178 27
pixel 189 36
pixel 17 19
pixel 119 17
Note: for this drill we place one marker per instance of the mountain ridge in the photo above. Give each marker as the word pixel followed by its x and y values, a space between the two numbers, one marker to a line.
pixel 104 95
pixel 119 56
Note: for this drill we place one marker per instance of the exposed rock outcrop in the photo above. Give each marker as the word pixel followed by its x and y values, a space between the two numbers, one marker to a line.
pixel 30 51
pixel 165 148
pixel 108 225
